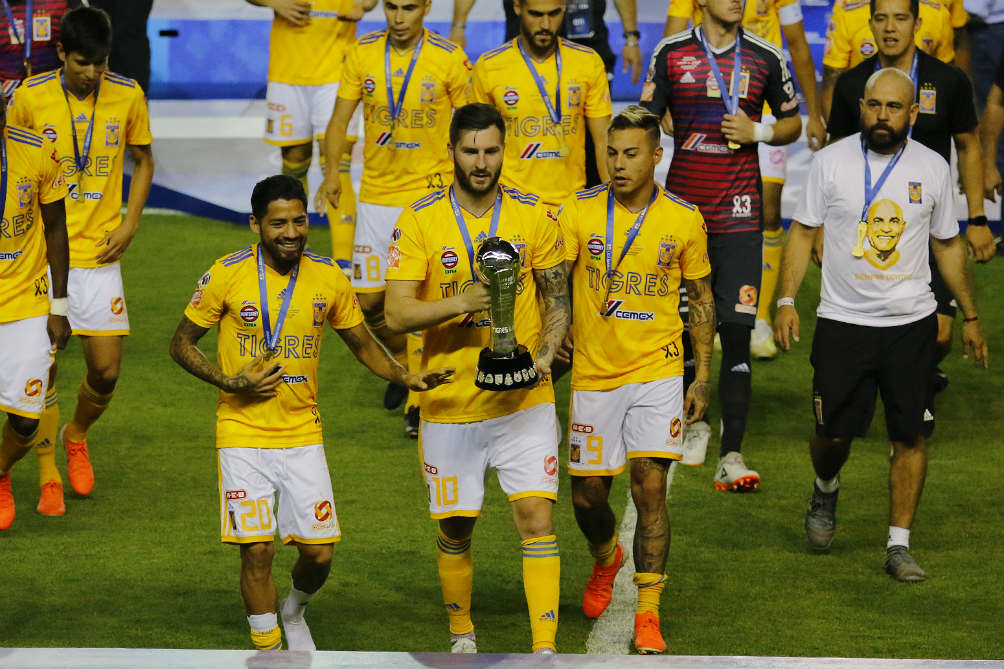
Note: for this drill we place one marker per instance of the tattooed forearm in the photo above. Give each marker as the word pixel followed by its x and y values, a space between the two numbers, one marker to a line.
pixel 185 352
pixel 701 318
pixel 557 315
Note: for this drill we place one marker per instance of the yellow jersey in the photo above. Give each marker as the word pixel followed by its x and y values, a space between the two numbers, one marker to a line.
pixel 228 294
pixel 403 161
pixel 534 159
pixel 763 18
pixel 631 333
pixel 849 38
pixel 957 10
pixel 311 55
pixel 94 205
pixel 33 177
pixel 429 247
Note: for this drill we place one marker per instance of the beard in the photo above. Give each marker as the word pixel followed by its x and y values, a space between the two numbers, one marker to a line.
pixel 463 180
pixel 881 142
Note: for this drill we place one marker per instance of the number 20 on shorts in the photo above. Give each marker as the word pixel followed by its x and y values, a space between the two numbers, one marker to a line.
pixel 251 515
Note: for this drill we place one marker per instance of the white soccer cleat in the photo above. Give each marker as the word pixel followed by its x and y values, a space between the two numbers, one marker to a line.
pixel 295 625
pixel 463 643
pixel 695 443
pixel 733 474
pixel 762 346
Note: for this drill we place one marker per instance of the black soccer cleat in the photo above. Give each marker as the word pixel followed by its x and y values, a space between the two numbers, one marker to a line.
pixel 394 396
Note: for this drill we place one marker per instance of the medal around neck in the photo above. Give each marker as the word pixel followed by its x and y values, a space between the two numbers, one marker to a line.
pixel 505 365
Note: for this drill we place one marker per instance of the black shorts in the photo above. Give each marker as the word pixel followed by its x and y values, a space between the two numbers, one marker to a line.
pixel 736 263
pixel 942 295
pixel 852 363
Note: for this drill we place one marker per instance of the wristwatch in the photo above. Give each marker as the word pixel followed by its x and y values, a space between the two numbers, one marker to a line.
pixel 632 37
pixel 978 221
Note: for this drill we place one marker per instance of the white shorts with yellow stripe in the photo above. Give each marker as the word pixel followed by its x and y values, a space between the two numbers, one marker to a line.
pixel 637 420
pixel 375 224
pixel 300 114
pixel 250 479
pixel 25 358
pixel 97 301
pixel 773 159
pixel 522 447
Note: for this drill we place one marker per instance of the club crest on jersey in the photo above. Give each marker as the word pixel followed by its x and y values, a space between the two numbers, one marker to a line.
pixel 595 247
pixel 50 132
pixel 574 96
pixel 395 236
pixel 369 85
pixel 24 193
pixel 320 308
pixel 249 314
pixel 449 260
pixel 666 252
pixel 915 192
pixel 712 85
pixel 41 28
pixel 928 100
pixel 867 49
pixel 113 132
pixel 428 95
pixel 510 97
pixel 521 249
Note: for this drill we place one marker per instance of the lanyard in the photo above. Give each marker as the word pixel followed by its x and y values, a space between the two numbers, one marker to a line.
pixel 631 234
pixel 553 109
pixel 272 338
pixel 492 230
pixel 870 192
pixel 3 173
pixel 29 17
pixel 732 102
pixel 913 78
pixel 80 160
pixel 395 108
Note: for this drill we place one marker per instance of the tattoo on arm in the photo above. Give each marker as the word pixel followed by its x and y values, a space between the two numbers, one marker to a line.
pixel 185 352
pixel 701 319
pixel 553 284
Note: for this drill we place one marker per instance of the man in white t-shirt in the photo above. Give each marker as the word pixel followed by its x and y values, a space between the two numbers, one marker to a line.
pixel 879 198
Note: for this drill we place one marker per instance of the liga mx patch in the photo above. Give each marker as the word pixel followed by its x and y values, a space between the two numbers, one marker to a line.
pixel 928 99
pixel 915 192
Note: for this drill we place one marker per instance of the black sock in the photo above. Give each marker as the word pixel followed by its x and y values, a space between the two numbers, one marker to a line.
pixel 734 384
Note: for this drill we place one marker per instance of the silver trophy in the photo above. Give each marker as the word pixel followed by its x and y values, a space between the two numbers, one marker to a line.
pixel 505 365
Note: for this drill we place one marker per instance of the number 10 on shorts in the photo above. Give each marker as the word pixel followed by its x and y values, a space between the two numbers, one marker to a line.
pixel 446 490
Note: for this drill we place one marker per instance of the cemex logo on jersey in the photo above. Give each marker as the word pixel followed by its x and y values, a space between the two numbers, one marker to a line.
pixel 532 150
pixel 384 138
pixel 613 309
pixel 469 321
pixel 696 143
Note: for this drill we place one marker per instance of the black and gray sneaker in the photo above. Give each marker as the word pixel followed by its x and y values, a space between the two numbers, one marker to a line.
pixel 901 566
pixel 411 420
pixel 821 518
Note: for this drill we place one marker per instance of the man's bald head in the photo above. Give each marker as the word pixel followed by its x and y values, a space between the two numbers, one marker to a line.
pixel 891 83
pixel 887 109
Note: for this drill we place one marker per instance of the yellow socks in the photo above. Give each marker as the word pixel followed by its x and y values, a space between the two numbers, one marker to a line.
pixel 13 446
pixel 773 245
pixel 604 554
pixel 456 576
pixel 649 591
pixel 45 442
pixel 90 405
pixel 343 219
pixel 298 171
pixel 541 576
pixel 414 347
pixel 265 634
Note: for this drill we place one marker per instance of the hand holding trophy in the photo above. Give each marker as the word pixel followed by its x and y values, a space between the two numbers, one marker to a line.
pixel 505 365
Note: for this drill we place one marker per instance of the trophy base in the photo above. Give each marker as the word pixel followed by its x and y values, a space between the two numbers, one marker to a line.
pixel 510 373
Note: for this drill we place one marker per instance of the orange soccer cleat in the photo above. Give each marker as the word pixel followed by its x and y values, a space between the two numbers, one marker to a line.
pixel 647 635
pixel 600 587
pixel 78 465
pixel 6 502
pixel 50 501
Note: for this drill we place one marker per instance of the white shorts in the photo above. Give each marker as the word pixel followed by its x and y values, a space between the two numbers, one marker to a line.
pixel 97 301
pixel 522 447
pixel 639 420
pixel 25 358
pixel 249 481
pixel 299 114
pixel 375 224
pixel 773 159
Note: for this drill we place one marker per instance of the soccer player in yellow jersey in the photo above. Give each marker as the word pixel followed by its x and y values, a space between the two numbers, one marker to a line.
pixel 32 186
pixel 92 117
pixel 306 49
pixel 431 286
pixel 630 245
pixel 849 38
pixel 550 91
pixel 408 80
pixel 271 302
pixel 770 19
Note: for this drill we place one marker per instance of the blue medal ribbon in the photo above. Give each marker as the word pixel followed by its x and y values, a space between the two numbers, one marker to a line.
pixel 870 192
pixel 553 109
pixel 80 159
pixel 732 102
pixel 29 30
pixel 913 78
pixel 396 107
pixel 632 233
pixel 272 338
pixel 462 224
pixel 3 173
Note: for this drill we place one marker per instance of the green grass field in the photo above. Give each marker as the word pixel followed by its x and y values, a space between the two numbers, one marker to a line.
pixel 139 563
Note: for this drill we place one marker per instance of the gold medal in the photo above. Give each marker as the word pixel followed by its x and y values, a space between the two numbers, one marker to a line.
pixel 734 146
pixel 563 149
pixel 270 354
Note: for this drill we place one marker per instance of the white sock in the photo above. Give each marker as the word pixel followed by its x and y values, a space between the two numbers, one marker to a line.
pixel 830 486
pixel 898 536
pixel 263 622
pixel 296 602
